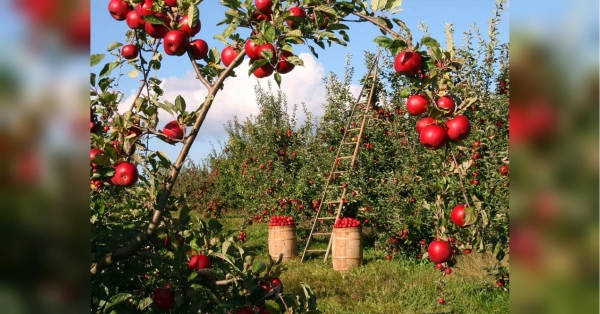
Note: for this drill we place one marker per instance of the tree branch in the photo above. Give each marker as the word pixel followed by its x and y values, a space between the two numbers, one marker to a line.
pixel 384 27
pixel 197 70
pixel 136 244
pixel 145 72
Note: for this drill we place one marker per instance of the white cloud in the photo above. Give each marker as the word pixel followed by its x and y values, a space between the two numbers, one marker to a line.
pixel 237 98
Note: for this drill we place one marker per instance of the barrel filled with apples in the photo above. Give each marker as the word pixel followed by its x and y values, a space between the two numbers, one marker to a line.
pixel 346 245
pixel 282 238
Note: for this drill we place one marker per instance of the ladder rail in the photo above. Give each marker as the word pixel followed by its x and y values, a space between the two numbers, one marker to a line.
pixel 338 159
pixel 356 148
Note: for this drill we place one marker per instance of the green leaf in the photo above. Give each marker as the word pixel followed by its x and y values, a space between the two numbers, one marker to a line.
pixel 192 276
pixel 145 303
pixel 108 68
pixel 391 5
pixel 258 267
pixel 404 93
pixel 378 5
pixel 114 45
pixel 312 50
pixel 133 73
pixel 93 79
pixel 167 106
pixel 383 41
pixel 336 26
pixel 272 306
pixel 152 19
pixel 163 158
pixel 326 9
pixel 429 42
pixel 116 299
pixel 257 64
pixel 277 77
pixel 193 16
pixel 269 33
pixel 180 103
pixel 404 28
pixel 449 41
pixel 96 58
pixel 225 247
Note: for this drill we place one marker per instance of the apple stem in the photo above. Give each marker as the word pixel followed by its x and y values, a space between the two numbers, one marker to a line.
pixel 464 192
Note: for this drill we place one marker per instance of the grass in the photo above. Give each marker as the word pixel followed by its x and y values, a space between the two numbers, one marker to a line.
pixel 401 285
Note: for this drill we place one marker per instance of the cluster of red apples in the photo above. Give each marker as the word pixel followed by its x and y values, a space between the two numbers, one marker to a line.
pixel 433 134
pixel 176 34
pixel 125 173
pixel 257 49
pixel 347 222
pixel 281 221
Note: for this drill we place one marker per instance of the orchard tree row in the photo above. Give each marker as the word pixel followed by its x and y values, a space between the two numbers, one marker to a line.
pixel 152 248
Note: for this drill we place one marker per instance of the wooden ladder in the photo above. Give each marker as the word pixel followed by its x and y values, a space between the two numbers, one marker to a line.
pixel 350 132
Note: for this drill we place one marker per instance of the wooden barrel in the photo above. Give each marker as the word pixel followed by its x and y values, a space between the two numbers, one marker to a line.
pixel 346 248
pixel 283 239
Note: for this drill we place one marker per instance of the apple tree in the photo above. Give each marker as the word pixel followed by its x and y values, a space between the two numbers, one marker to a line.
pixel 150 247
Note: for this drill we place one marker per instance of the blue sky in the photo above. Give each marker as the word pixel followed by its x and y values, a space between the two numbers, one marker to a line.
pixel 177 75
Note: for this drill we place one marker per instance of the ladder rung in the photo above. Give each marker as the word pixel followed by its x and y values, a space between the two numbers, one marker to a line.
pixel 353 129
pixel 316 250
pixel 333 202
pixel 327 217
pixel 345 157
pixel 349 143
pixel 321 234
pixel 339 172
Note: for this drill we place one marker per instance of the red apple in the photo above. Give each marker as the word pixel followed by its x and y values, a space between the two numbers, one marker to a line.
pixel 283 66
pixel 264 71
pixel 135 20
pixel 158 30
pixel 126 174
pixel 423 122
pixel 295 12
pixel 407 63
pixel 458 215
pixel 417 104
pixel 129 51
pixel 433 137
pixel 439 251
pixel 93 153
pixel 458 128
pixel 228 55
pixel 173 130
pixel 262 16
pixel 251 49
pixel 118 9
pixel 275 282
pixel 171 3
pixel 185 27
pixel 145 7
pixel 164 298
pixel 199 49
pixel 199 261
pixel 447 104
pixel 504 170
pixel 265 47
pixel 175 43
pixel 244 310
pixel 263 6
